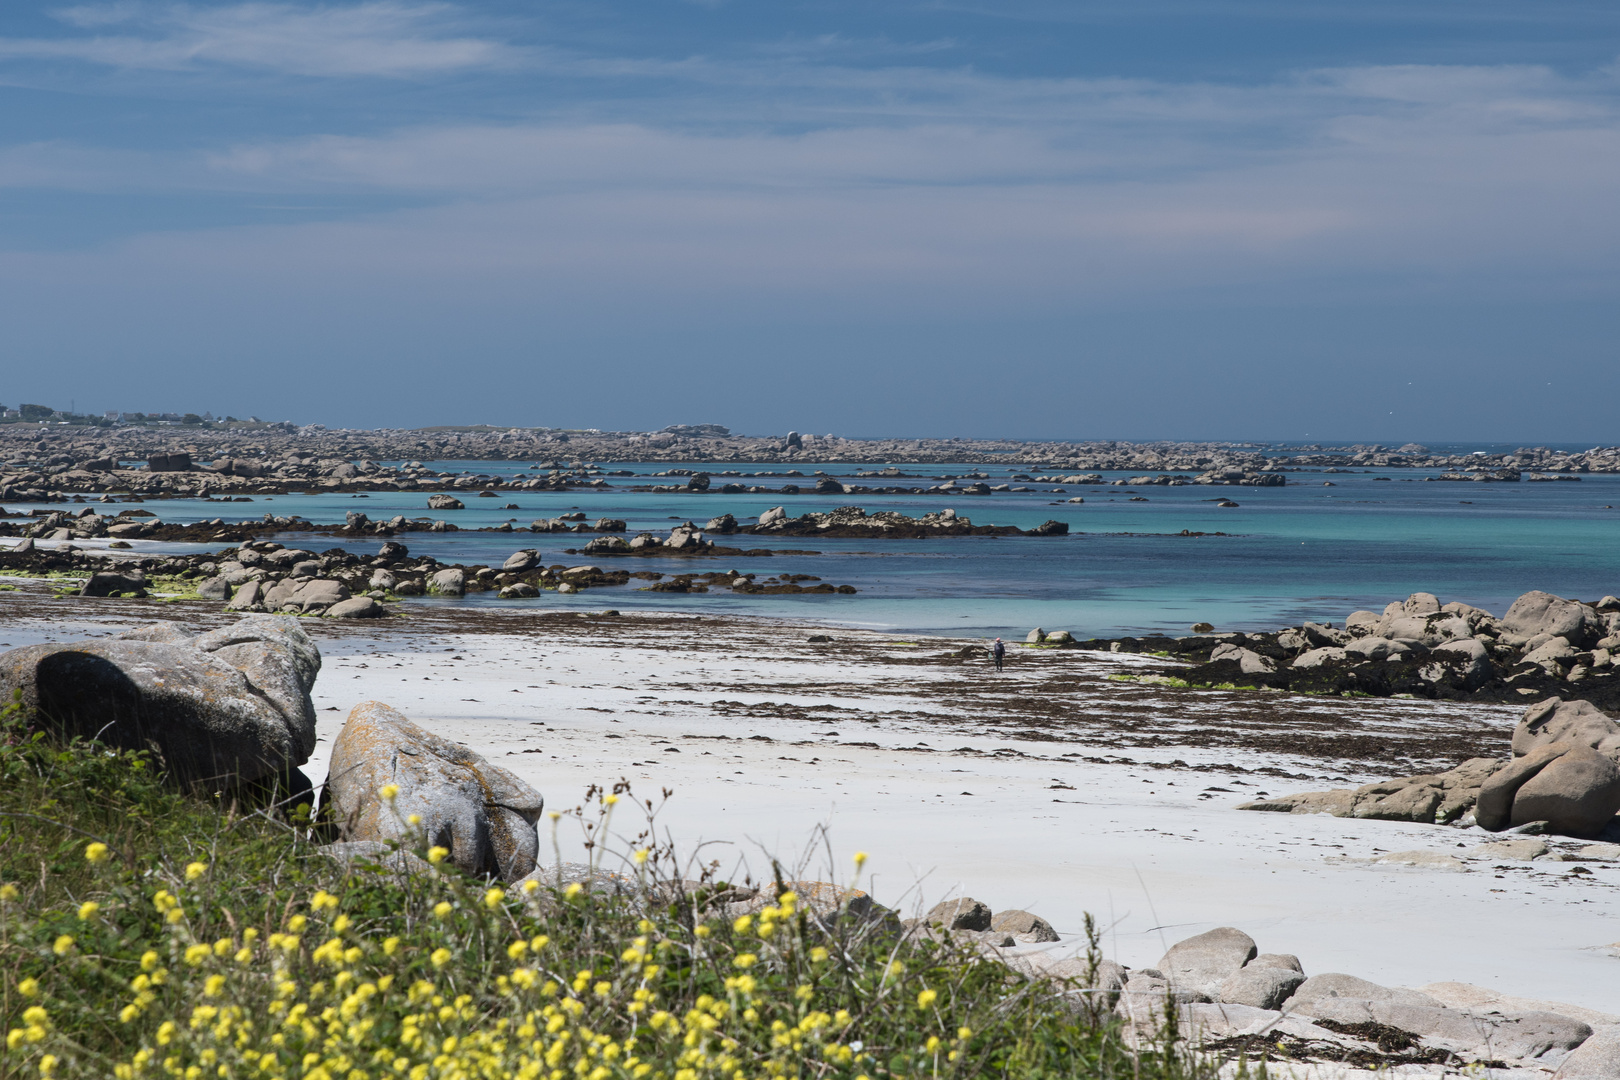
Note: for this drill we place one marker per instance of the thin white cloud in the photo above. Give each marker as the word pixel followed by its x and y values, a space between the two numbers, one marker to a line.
pixel 379 38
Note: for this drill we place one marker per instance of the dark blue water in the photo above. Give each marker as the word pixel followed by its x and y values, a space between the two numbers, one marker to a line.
pixel 1290 553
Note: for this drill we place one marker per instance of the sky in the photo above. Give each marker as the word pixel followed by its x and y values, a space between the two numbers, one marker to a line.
pixel 1279 219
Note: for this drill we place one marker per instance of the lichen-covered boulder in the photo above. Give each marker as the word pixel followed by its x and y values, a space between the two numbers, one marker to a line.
pixel 229 707
pixel 481 813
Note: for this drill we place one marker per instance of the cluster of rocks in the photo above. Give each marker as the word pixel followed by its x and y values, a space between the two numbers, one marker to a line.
pixel 1563 777
pixel 45 462
pixel 1231 998
pixel 854 521
pixel 1543 645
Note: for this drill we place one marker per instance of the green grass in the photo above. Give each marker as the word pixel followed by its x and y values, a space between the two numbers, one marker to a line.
pixel 147 932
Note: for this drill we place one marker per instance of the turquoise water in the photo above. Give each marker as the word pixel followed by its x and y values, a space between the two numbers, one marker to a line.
pixel 1291 553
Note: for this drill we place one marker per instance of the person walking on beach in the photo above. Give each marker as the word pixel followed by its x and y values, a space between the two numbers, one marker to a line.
pixel 998 652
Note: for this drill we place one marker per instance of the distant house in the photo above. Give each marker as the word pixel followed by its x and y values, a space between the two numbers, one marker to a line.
pixel 111 414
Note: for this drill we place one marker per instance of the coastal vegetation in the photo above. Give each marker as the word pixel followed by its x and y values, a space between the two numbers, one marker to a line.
pixel 150 931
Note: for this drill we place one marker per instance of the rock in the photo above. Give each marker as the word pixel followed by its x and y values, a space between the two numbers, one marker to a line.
pixel 772 516
pixel 384 580
pixel 1377 648
pixel 445 502
pixel 1574 788
pixel 1432 860
pixel 1577 793
pixel 175 462
pixel 480 812
pixel 1259 987
pixel 1555 720
pixel 246 597
pixel 608 545
pixel 725 523
pixel 1252 663
pixel 1600 853
pixel 1472 659
pixel 1249 662
pixel 697 482
pixel 964 914
pixel 1059 637
pixel 393 551
pixel 613 525
pixel 1537 613
pixel 1024 926
pixel 281 662
pixel 1523 849
pixel 1328 654
pixel 1285 961
pixel 1050 528
pixel 108 583
pixel 214 588
pixel 520 590
pixel 519 561
pixel 1516 1036
pixel 218 711
pixel 316 595
pixel 1201 964
pixel 359 607
pixel 1421 603
pixel 1320 988
pixel 1035 636
pixel 448 582
pixel 826 485
pixel 1598 1058
pixel 1440 797
pixel 1203 628
pixel 1494 811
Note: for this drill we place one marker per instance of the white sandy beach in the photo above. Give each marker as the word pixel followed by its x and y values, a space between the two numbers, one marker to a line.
pixel 763 737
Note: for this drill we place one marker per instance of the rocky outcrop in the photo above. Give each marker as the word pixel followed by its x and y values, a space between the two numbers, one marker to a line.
pixel 854 521
pixel 229 707
pixel 1437 798
pixel 1545 645
pixel 1231 999
pixel 481 813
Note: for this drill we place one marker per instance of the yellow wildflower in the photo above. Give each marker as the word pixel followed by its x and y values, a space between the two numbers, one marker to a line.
pixel 196 870
pixel 96 853
pixel 87 910
pixel 389 792
pixel 437 854
pixel 64 945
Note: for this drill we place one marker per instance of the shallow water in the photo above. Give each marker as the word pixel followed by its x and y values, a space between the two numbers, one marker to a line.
pixel 1301 551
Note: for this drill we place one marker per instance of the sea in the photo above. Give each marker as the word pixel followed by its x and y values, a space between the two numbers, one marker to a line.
pixel 1321 546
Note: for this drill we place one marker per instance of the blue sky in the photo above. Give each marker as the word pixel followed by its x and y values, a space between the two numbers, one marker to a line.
pixel 1085 220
